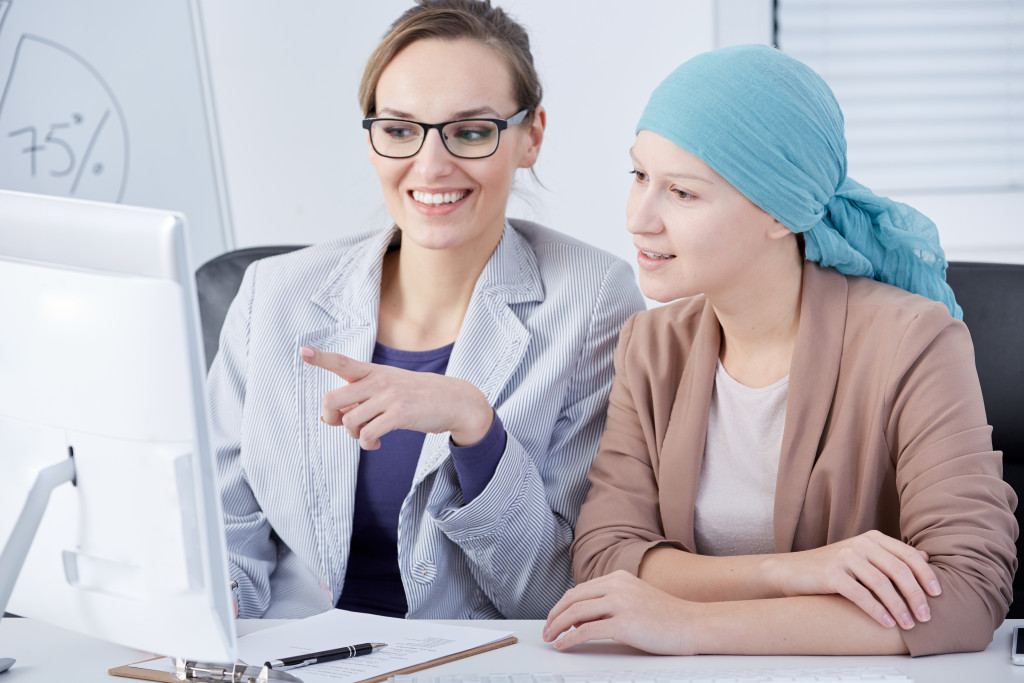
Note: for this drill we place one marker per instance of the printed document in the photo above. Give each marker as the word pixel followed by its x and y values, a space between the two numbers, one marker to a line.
pixel 410 643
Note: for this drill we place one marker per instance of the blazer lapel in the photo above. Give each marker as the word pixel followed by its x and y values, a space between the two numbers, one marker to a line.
pixel 682 452
pixel 492 340
pixel 351 297
pixel 813 375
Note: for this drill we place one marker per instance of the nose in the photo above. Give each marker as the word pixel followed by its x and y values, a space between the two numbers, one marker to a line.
pixel 433 159
pixel 642 215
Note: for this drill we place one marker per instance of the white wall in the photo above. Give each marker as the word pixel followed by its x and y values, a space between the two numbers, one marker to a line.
pixel 285 77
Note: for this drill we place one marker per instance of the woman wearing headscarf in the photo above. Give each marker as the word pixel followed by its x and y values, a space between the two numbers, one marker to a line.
pixel 796 458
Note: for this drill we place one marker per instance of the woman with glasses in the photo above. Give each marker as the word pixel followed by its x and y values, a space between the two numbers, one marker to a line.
pixel 796 458
pixel 404 420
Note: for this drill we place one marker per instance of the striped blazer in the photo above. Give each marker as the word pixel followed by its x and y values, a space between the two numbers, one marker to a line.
pixel 537 340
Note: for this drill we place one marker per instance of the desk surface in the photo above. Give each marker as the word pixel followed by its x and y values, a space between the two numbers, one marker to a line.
pixel 48 654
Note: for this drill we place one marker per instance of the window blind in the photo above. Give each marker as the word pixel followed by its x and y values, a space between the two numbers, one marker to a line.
pixel 932 90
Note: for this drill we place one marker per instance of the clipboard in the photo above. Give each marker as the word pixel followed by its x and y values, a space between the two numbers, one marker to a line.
pixel 324 623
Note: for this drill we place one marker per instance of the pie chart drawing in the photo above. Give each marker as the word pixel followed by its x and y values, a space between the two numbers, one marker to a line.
pixel 62 131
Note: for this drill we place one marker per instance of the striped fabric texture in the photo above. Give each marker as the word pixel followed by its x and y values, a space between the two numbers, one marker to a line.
pixel 537 340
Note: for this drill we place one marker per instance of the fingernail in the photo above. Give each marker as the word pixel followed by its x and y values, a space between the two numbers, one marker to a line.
pixel 906 620
pixel 306 352
pixel 935 588
pixel 923 613
pixel 888 621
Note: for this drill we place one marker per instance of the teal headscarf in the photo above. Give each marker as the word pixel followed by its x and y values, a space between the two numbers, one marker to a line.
pixel 771 126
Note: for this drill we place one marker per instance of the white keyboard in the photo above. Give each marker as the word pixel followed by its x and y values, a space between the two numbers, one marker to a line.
pixel 680 675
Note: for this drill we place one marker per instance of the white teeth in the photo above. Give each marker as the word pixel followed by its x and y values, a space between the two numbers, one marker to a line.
pixel 655 255
pixel 436 199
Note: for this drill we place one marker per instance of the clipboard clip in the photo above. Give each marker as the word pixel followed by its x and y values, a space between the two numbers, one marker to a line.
pixel 239 672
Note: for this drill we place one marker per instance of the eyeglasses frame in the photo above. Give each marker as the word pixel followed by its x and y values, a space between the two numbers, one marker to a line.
pixel 501 125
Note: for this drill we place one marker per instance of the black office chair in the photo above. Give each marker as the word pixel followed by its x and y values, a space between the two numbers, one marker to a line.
pixel 217 282
pixel 992 296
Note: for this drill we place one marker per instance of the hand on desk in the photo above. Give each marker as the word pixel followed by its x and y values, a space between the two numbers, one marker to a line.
pixel 379 399
pixel 622 607
pixel 878 573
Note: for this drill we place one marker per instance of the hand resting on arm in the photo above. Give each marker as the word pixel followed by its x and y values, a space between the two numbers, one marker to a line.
pixel 879 574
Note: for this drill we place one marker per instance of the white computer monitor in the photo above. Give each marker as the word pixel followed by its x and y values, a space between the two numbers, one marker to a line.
pixel 101 361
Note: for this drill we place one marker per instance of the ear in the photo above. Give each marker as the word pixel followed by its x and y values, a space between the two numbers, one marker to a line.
pixel 535 136
pixel 778 231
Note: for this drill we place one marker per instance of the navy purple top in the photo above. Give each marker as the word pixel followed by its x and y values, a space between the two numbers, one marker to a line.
pixel 373 582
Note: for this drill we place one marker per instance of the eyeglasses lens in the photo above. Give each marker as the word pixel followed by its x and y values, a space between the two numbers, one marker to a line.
pixel 396 138
pixel 471 139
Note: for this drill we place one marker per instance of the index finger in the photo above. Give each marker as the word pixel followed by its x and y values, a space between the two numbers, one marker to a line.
pixel 587 590
pixel 918 563
pixel 344 367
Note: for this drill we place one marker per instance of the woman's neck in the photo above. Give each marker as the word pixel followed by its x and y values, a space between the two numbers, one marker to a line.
pixel 759 328
pixel 425 294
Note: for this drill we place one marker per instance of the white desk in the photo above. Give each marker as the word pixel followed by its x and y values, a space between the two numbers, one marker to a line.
pixel 47 654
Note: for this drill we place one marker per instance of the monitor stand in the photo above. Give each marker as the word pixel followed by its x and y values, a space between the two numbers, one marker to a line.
pixel 13 556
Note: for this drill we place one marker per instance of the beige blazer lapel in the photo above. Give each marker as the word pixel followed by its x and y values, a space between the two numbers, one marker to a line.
pixel 681 454
pixel 813 375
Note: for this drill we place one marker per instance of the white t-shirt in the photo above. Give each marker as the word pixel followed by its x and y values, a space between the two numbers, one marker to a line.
pixel 736 494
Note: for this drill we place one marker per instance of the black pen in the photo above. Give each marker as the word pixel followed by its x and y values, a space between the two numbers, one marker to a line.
pixel 326 656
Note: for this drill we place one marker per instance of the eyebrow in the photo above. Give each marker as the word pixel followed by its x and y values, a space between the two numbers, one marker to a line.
pixel 677 176
pixel 478 112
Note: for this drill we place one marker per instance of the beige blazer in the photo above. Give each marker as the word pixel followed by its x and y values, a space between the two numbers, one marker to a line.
pixel 885 429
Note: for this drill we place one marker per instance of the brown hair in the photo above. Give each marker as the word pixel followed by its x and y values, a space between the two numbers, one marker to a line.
pixel 451 20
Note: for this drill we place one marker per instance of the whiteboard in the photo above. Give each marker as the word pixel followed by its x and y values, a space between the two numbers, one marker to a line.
pixel 110 100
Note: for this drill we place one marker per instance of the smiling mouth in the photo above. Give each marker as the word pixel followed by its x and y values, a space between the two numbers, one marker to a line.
pixel 438 198
pixel 656 255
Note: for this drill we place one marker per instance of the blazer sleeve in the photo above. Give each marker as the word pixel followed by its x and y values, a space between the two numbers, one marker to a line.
pixel 954 504
pixel 252 552
pixel 621 518
pixel 516 533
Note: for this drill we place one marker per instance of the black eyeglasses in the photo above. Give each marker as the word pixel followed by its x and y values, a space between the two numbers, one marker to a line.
pixel 466 138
